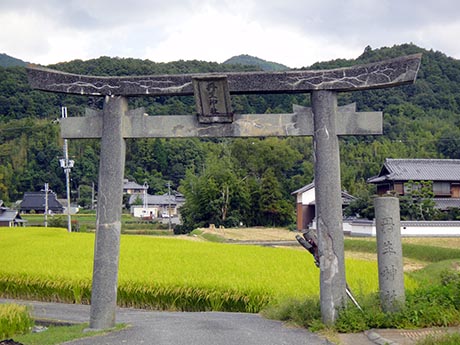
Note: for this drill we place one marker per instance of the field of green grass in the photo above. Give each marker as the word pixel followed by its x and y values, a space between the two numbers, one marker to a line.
pixel 86 222
pixel 164 273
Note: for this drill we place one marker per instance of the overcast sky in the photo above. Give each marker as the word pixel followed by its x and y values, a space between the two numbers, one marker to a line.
pixel 292 32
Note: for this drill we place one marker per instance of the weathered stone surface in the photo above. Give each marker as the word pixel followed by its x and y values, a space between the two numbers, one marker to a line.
pixel 348 121
pixel 382 74
pixel 108 222
pixel 389 253
pixel 328 205
pixel 299 123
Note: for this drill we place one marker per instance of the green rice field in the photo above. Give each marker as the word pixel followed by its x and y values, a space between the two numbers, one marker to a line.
pixel 164 273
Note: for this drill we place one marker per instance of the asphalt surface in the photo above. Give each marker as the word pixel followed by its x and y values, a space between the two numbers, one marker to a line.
pixel 212 328
pixel 178 328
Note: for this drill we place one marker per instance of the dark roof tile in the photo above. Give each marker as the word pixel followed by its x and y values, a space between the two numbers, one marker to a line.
pixel 419 170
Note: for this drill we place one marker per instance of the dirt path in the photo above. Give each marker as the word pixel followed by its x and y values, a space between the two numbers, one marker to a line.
pixel 255 234
pixel 281 234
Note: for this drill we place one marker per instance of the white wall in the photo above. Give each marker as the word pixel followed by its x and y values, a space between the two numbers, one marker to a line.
pixel 408 228
pixel 139 211
pixel 412 228
pixel 308 197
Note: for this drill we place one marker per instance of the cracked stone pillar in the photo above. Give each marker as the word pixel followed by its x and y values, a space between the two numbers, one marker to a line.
pixel 389 253
pixel 328 205
pixel 108 224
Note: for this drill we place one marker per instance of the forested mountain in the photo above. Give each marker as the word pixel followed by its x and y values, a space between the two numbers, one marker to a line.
pixel 226 181
pixel 255 61
pixel 9 61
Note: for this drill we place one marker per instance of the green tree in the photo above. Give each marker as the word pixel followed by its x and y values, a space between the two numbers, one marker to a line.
pixel 5 181
pixel 363 205
pixel 449 143
pixel 216 196
pixel 85 193
pixel 417 202
pixel 86 166
pixel 275 210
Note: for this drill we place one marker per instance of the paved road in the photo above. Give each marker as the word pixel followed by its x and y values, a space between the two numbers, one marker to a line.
pixel 176 328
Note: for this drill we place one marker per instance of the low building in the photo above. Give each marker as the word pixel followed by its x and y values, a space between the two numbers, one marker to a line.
pixel 396 174
pixel 9 217
pixel 305 205
pixel 74 208
pixel 156 206
pixel 36 202
pixel 132 188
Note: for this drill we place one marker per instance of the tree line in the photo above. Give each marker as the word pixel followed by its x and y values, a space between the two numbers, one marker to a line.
pixel 225 181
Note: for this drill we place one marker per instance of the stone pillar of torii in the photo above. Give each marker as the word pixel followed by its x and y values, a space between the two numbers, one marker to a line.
pixel 325 121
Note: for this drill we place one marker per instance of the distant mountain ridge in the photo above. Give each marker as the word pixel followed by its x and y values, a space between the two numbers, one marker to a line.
pixel 244 60
pixel 248 60
pixel 421 120
pixel 9 61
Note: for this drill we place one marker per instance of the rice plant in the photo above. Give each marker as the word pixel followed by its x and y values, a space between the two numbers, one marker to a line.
pixel 163 273
pixel 14 319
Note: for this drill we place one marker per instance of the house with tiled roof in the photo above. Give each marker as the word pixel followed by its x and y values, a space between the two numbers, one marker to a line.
pixel 131 187
pixel 395 175
pixel 9 217
pixel 36 202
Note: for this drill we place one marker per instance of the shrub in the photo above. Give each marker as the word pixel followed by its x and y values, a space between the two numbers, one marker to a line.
pixel 305 313
pixel 75 225
pixel 14 319
pixel 57 222
pixel 446 339
pixel 181 230
pixel 424 307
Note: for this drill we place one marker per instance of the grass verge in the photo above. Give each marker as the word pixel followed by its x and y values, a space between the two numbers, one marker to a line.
pixel 425 253
pixel 446 339
pixel 60 334
pixel 435 303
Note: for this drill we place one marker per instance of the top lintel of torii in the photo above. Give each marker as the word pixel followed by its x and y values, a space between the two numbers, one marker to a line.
pixel 382 74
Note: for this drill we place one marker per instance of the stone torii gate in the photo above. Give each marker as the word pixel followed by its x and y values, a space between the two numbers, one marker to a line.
pixel 324 120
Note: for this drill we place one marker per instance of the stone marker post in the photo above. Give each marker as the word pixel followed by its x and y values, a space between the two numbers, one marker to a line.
pixel 389 253
pixel 328 206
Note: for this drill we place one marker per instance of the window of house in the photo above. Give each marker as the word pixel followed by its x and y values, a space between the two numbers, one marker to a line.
pixel 398 187
pixel 441 188
pixel 411 186
pixel 383 188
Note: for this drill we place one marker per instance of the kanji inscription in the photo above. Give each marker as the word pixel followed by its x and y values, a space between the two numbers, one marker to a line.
pixel 212 98
pixel 389 272
pixel 387 225
pixel 388 248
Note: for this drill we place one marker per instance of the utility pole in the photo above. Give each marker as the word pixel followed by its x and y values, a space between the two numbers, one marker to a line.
pixel 144 210
pixel 169 205
pixel 67 164
pixel 46 204
pixel 92 196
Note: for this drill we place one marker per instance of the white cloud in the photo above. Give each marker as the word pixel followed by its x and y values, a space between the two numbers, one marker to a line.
pixel 21 41
pixel 295 33
pixel 440 36
pixel 216 36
